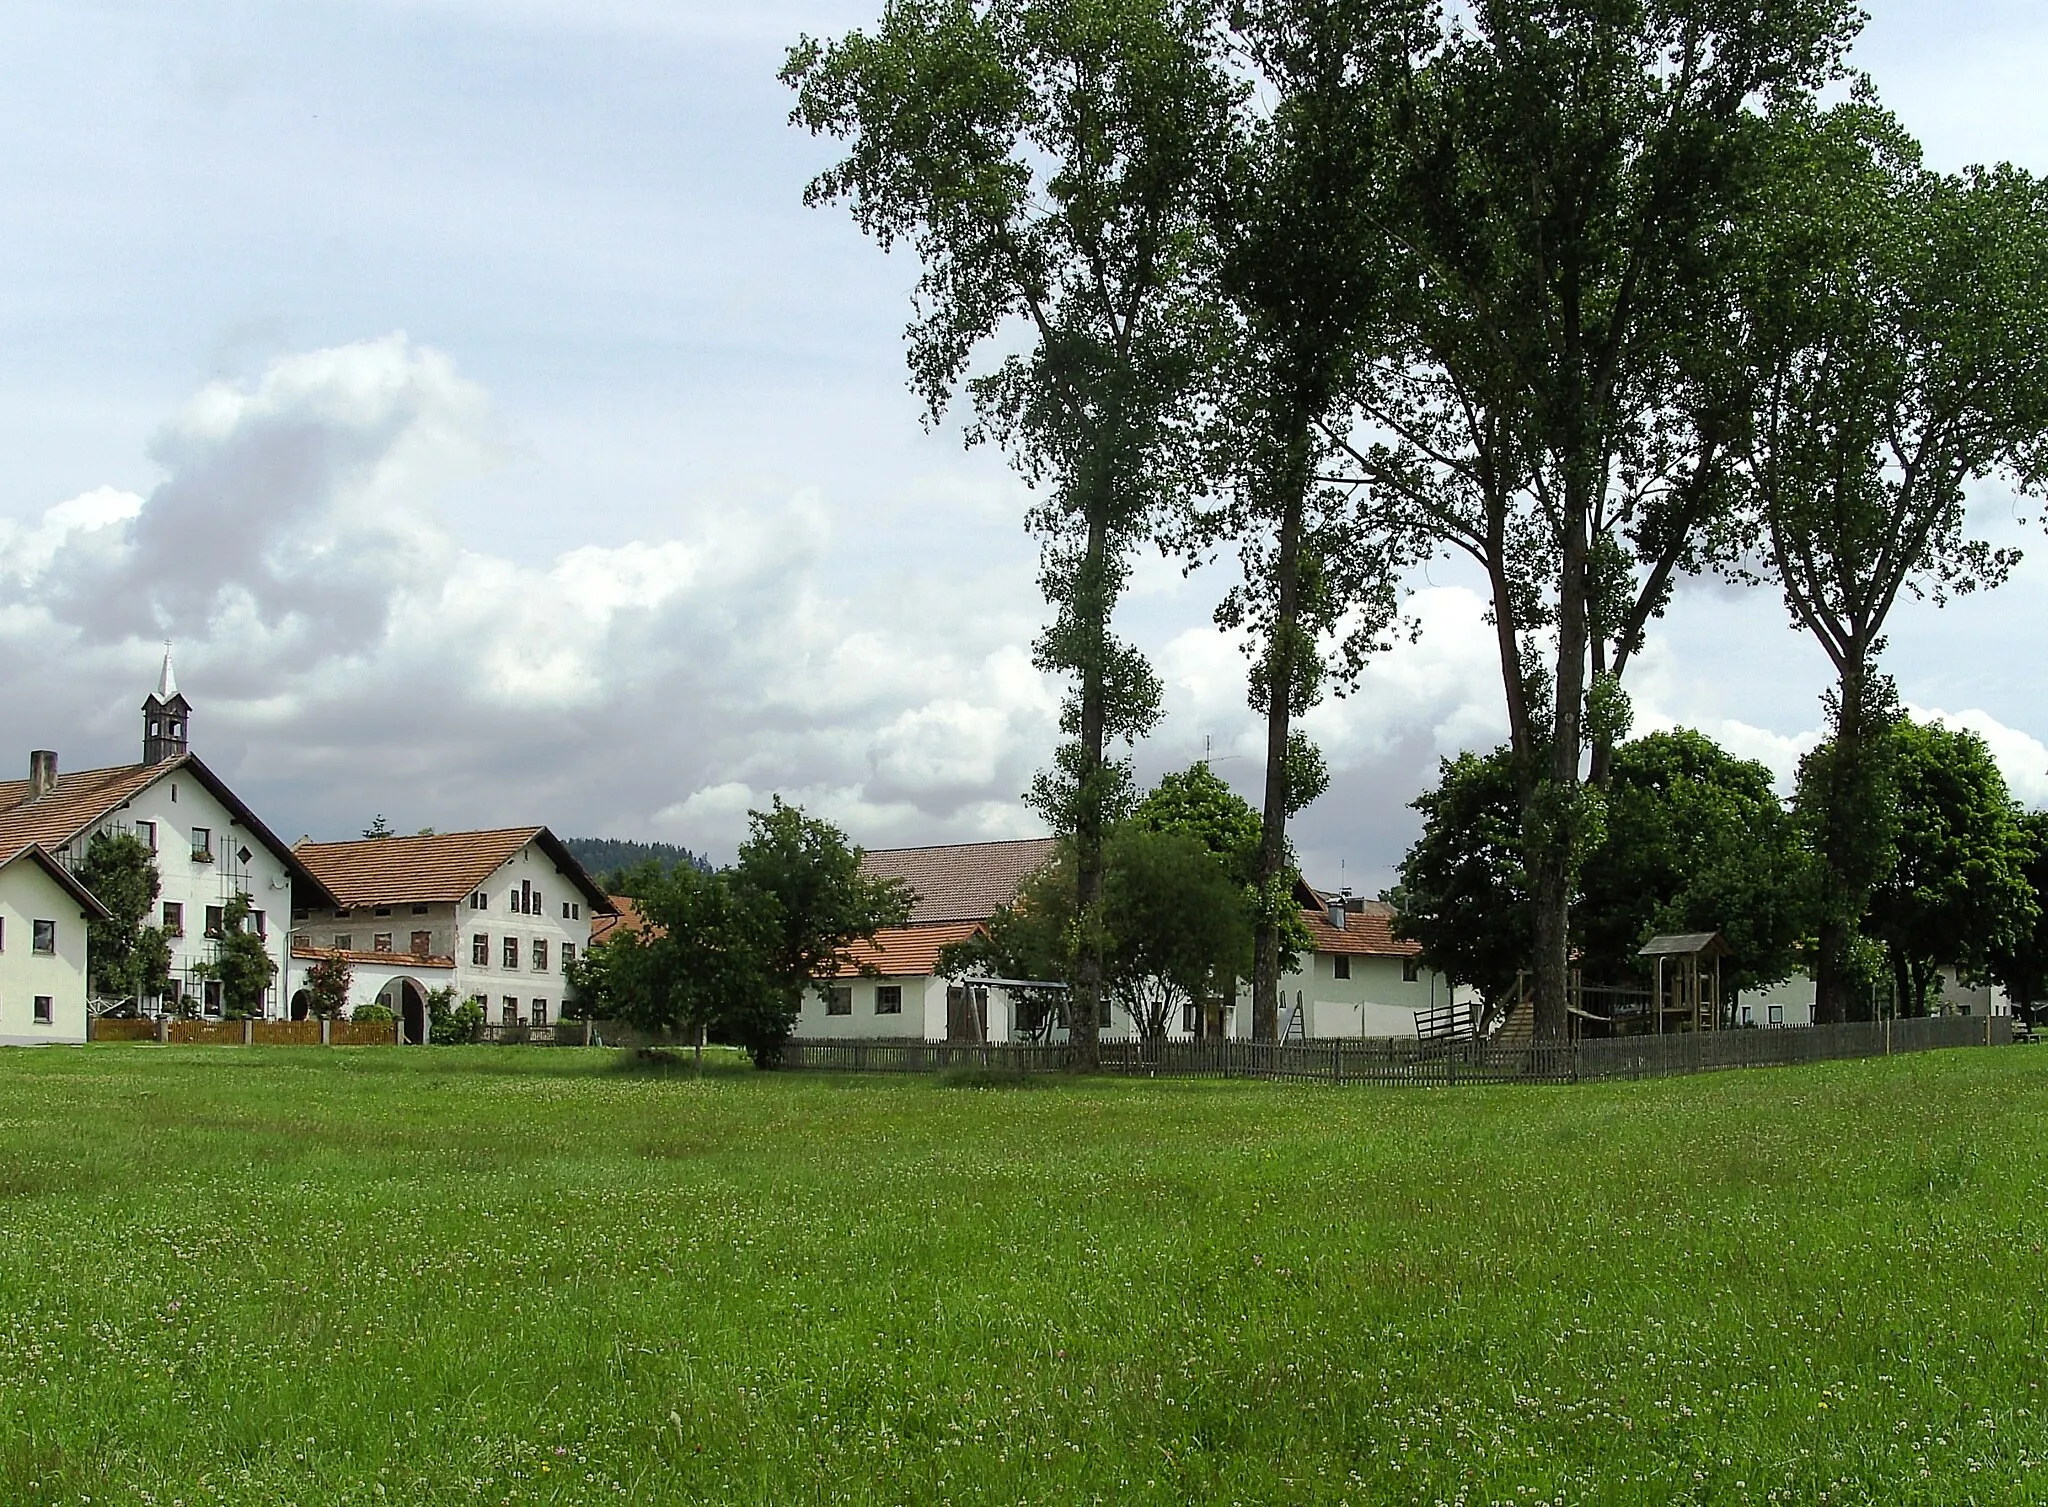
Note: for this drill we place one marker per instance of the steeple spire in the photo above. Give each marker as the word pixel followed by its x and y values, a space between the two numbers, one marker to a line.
pixel 166 718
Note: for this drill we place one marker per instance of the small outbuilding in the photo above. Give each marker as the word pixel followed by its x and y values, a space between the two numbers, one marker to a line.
pixel 1686 992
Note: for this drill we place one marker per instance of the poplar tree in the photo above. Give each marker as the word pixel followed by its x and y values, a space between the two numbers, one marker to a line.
pixel 1899 329
pixel 1304 276
pixel 1573 174
pixel 1048 161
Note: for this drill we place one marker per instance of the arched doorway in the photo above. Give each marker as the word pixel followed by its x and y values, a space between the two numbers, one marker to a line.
pixel 412 1010
pixel 302 1005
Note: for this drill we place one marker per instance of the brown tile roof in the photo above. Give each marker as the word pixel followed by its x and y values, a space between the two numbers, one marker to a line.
pixel 1369 933
pixel 76 803
pixel 78 800
pixel 307 951
pixel 627 922
pixel 907 951
pixel 964 881
pixel 445 868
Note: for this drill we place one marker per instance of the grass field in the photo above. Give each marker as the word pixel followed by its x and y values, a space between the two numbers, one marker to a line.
pixel 301 1276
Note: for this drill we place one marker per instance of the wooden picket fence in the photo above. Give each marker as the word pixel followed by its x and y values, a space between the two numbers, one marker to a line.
pixel 1420 1063
pixel 237 1033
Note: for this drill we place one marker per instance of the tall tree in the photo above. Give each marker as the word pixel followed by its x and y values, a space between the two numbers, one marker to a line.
pixel 1304 273
pixel 1464 893
pixel 1900 344
pixel 1958 892
pixel 803 883
pixel 120 870
pixel 1048 159
pixel 1572 176
pixel 1693 840
pixel 2019 963
pixel 1173 922
pixel 1689 839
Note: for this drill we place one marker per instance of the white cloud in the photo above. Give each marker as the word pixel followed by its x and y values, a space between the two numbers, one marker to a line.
pixel 2022 758
pixel 329 623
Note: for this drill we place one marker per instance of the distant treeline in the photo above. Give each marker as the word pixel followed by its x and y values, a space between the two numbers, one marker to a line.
pixel 606 858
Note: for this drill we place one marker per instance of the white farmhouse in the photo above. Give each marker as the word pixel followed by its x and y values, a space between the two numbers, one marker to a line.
pixel 497 916
pixel 210 847
pixel 1359 979
pixel 43 916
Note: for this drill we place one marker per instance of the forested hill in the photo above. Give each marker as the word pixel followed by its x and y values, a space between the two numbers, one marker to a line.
pixel 602 857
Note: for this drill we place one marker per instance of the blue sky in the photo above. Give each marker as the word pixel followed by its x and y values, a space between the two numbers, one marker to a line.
pixel 465 389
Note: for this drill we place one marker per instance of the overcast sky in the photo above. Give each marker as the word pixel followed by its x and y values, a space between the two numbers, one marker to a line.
pixel 463 387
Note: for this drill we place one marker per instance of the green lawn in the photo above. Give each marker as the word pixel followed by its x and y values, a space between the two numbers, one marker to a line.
pixel 503 1275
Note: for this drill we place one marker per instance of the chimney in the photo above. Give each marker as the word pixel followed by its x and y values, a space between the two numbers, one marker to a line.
pixel 42 772
pixel 1336 912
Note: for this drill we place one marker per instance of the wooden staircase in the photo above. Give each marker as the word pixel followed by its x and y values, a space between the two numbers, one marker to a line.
pixel 1519 1029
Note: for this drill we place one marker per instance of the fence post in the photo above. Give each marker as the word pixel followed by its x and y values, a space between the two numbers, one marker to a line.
pixel 248 1031
pixel 163 1030
pixel 398 1029
pixel 326 1031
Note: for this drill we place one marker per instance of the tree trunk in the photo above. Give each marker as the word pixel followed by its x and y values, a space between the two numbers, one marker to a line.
pixel 1550 816
pixel 1281 659
pixel 1842 897
pixel 1084 1037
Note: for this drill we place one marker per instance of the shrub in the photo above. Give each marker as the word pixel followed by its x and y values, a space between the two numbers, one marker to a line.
pixel 372 1015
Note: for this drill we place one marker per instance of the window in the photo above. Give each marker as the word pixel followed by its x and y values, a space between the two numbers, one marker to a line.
pixel 1411 971
pixel 540 955
pixel 213 920
pixel 480 950
pixel 419 910
pixel 3 933
pixel 43 937
pixel 212 1005
pixel 344 942
pixel 1341 965
pixel 45 1011
pixel 568 955
pixel 889 999
pixel 383 910
pixel 202 845
pixel 147 832
pixel 260 924
pixel 572 910
pixel 174 918
pixel 342 914
pixel 1777 1015
pixel 422 943
pixel 839 1000
pixel 540 1012
pixel 479 901
pixel 511 952
pixel 526 899
pixel 381 942
pixel 510 1015
pixel 301 915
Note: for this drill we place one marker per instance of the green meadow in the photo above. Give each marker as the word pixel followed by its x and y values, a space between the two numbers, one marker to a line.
pixel 534 1276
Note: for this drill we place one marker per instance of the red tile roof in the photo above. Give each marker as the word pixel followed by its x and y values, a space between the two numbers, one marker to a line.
pixel 1366 934
pixel 962 881
pixel 907 951
pixel 444 868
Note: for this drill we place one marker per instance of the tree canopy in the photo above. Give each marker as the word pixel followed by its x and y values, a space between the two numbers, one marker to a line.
pixel 128 959
pixel 1958 891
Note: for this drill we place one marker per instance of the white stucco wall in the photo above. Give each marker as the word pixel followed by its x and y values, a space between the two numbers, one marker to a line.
pixel 454 931
pixel 178 804
pixel 28 894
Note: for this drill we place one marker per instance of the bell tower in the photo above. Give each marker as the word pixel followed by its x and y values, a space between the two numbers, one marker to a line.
pixel 166 718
